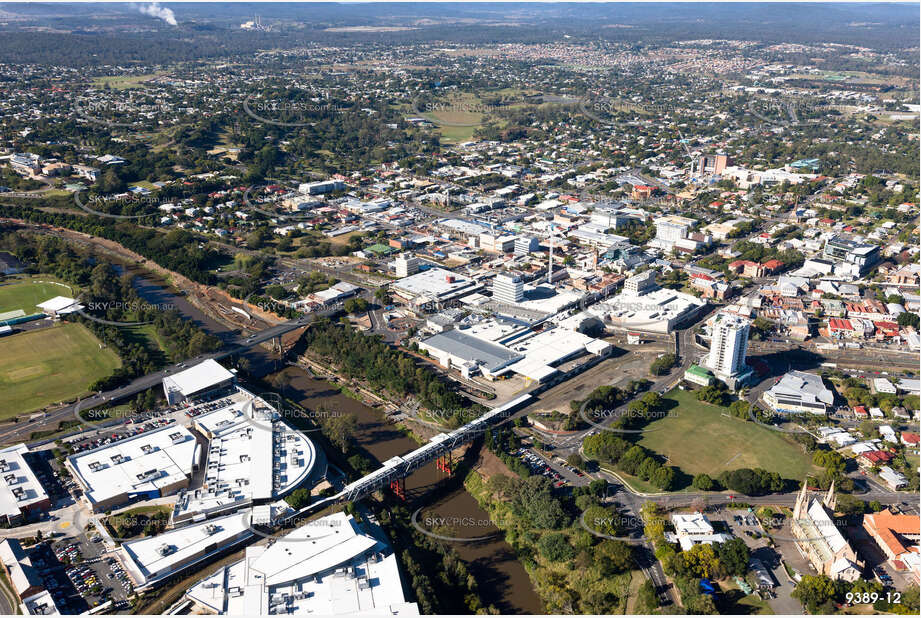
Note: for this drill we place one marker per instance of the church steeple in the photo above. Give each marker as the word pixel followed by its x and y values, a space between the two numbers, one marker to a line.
pixel 831 499
pixel 800 502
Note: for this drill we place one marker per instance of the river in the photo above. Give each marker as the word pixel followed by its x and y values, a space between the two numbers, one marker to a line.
pixel 502 580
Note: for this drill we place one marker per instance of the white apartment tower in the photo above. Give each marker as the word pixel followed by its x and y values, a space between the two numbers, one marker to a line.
pixel 728 346
pixel 508 289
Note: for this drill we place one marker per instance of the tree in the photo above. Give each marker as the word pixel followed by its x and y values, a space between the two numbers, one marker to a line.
pixel 646 598
pixel 700 561
pixel 256 239
pixel 662 364
pixel 909 319
pixel 355 305
pixel 813 591
pixel 703 482
pixel 555 547
pixel 734 555
pixel 613 557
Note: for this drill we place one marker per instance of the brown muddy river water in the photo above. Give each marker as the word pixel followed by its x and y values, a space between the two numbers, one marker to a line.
pixel 502 580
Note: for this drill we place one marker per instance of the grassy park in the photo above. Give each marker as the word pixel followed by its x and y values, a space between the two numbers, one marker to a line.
pixel 698 437
pixel 26 292
pixel 48 365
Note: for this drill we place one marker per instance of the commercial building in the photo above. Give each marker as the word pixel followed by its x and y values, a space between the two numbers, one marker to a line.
pixel 728 347
pixel 710 164
pixel 526 244
pixel 253 457
pixel 508 288
pixel 644 306
pixel 435 284
pixel 469 355
pixel 798 391
pixel 26 580
pixel 324 186
pixel 332 295
pixel 406 265
pixel 671 229
pixel 699 375
pixel 205 378
pixel 855 258
pixel 151 560
pixel 326 567
pixel 819 539
pixel 21 494
pixel 640 284
pixel 149 465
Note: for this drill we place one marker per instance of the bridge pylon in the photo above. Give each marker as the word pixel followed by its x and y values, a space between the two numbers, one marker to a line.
pixel 398 487
pixel 445 463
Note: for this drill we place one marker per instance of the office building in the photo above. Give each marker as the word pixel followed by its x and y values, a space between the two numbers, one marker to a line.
pixel 710 164
pixel 526 244
pixel 508 289
pixel 855 258
pixel 406 265
pixel 324 186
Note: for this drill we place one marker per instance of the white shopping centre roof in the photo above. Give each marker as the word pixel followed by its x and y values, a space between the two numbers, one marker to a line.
pixel 143 463
pixel 19 487
pixel 328 566
pixel 198 378
pixel 152 558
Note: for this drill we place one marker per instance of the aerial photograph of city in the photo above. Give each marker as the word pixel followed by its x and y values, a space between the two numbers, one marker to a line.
pixel 451 308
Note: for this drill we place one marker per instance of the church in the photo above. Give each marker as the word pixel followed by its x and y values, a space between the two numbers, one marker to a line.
pixel 819 539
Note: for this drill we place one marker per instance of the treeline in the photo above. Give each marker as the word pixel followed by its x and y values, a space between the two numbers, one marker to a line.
pixel 368 358
pixel 112 298
pixel 573 570
pixel 177 250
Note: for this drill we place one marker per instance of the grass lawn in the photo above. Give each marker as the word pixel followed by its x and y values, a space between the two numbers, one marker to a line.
pixel 123 82
pixel 45 366
pixel 26 293
pixel 698 439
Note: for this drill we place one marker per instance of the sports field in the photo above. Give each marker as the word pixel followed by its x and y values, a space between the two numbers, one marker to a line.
pixel 28 292
pixel 698 439
pixel 49 365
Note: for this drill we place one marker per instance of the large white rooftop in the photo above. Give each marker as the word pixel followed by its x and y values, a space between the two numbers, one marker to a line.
pixel 150 559
pixel 252 456
pixel 198 378
pixel 435 283
pixel 136 466
pixel 329 566
pixel 19 487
